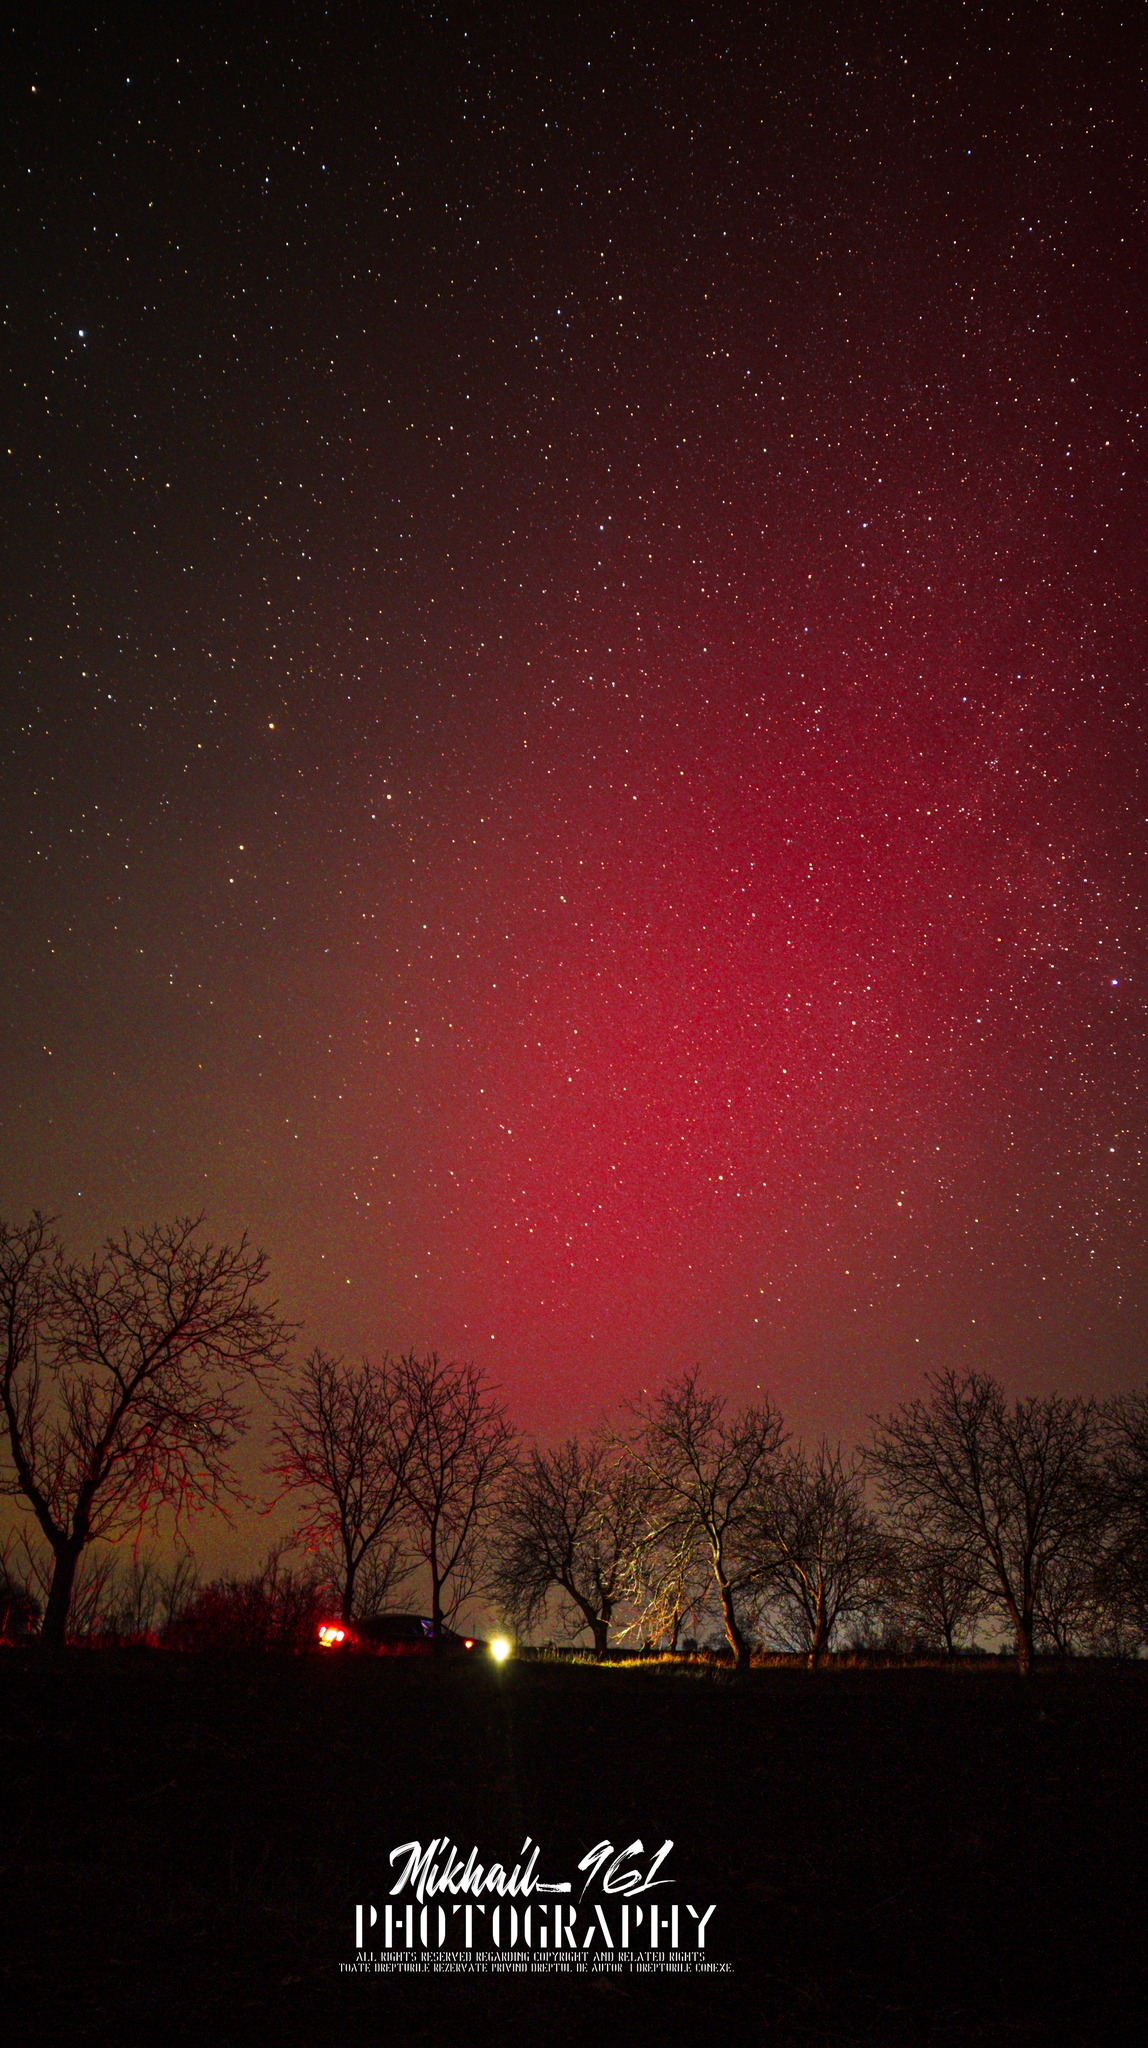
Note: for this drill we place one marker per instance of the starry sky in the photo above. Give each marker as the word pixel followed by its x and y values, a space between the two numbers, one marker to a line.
pixel 573 661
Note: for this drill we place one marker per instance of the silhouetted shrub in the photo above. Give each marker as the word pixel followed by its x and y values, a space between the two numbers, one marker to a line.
pixel 19 1609
pixel 273 1609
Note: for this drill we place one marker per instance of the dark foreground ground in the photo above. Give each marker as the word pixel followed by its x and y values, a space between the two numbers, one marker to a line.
pixel 896 1857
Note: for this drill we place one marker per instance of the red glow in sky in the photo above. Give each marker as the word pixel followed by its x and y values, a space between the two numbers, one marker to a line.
pixel 579 719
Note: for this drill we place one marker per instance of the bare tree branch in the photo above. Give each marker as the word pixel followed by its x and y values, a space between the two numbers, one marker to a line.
pixel 933 1589
pixel 1008 1488
pixel 342 1449
pixel 459 1447
pixel 121 1380
pixel 571 1523
pixel 1122 1569
pixel 709 1473
pixel 821 1551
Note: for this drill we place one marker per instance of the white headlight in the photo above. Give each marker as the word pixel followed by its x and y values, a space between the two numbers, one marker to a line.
pixel 500 1649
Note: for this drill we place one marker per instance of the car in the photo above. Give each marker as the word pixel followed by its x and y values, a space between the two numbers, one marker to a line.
pixel 396 1635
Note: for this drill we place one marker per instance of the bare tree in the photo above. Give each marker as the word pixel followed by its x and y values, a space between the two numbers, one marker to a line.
pixel 121 1381
pixel 1069 1617
pixel 821 1550
pixel 570 1523
pixel 459 1447
pixel 92 1586
pixel 710 1472
pixel 1006 1487
pixel 341 1447
pixel 933 1590
pixel 178 1588
pixel 1122 1576
pixel 670 1583
pixel 97 1592
pixel 380 1575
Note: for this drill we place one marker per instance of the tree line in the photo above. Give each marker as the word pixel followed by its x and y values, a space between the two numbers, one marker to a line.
pixel 124 1384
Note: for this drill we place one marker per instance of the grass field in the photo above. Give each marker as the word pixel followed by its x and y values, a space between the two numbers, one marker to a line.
pixel 896 1856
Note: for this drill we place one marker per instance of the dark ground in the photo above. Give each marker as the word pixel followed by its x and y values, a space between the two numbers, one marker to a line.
pixel 898 1857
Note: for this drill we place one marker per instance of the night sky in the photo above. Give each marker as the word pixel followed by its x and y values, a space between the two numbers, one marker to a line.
pixel 574 679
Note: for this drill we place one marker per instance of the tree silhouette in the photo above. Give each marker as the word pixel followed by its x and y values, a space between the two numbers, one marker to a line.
pixel 933 1589
pixel 1122 1578
pixel 671 1581
pixel 709 1473
pixel 121 1381
pixel 821 1551
pixel 1006 1488
pixel 341 1448
pixel 570 1523
pixel 457 1447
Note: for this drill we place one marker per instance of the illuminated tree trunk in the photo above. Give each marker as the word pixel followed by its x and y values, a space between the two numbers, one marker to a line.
pixel 734 1636
pixel 819 1639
